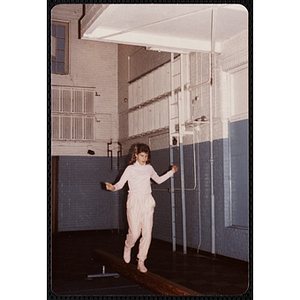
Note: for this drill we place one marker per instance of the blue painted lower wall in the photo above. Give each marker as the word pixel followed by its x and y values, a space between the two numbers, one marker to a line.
pixel 231 241
pixel 85 205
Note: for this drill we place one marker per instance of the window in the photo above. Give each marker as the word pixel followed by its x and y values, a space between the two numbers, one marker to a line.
pixel 72 113
pixel 59 48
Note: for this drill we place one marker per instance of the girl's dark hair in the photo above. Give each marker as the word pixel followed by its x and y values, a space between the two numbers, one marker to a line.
pixel 138 148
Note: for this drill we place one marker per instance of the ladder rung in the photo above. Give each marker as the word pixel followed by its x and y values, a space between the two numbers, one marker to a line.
pixel 188 132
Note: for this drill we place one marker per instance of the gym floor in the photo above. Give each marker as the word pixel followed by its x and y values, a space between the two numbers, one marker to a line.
pixel 72 262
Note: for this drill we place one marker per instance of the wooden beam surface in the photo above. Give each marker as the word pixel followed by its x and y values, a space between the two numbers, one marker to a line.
pixel 150 281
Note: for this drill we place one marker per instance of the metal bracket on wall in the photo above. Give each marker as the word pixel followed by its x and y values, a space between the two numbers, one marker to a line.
pixel 109 154
pixel 119 153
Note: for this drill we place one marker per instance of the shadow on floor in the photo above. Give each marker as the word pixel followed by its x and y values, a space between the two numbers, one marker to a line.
pixel 72 262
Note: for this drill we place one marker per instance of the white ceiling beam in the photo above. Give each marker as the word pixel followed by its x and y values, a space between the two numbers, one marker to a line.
pixel 154 23
pixel 162 32
pixel 88 21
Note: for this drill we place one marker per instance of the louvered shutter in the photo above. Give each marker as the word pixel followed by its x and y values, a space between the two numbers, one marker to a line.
pixel 65 127
pixel 89 102
pixel 78 101
pixel 89 128
pixel 66 100
pixel 55 100
pixel 77 128
pixel 55 127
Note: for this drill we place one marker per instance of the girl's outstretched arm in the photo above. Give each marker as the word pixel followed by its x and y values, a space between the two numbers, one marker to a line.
pixel 120 183
pixel 163 178
pixel 109 186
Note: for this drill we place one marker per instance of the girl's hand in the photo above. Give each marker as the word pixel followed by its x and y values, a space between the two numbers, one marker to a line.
pixel 174 169
pixel 109 186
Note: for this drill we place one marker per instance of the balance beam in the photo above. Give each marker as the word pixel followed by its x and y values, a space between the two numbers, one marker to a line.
pixel 150 281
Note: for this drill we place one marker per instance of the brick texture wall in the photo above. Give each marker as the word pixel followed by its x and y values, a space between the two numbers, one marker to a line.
pixel 91 64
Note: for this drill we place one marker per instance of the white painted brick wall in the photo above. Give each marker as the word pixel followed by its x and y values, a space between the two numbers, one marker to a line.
pixel 91 64
pixel 234 54
pixel 234 51
pixel 235 44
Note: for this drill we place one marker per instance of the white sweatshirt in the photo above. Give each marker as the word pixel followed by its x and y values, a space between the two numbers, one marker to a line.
pixel 138 177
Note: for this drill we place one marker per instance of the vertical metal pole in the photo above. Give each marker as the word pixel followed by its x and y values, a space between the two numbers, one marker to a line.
pixel 180 114
pixel 173 203
pixel 183 198
pixel 199 193
pixel 213 225
pixel 172 158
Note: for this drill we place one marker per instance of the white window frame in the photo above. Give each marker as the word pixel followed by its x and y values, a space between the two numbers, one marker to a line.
pixel 233 117
pixel 55 47
pixel 74 120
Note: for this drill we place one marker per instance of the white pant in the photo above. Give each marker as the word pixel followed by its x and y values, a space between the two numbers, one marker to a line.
pixel 140 210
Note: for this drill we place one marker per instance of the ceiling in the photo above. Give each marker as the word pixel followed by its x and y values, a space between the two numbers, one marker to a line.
pixel 165 27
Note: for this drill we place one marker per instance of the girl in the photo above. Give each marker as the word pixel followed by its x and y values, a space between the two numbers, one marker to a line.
pixel 140 203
